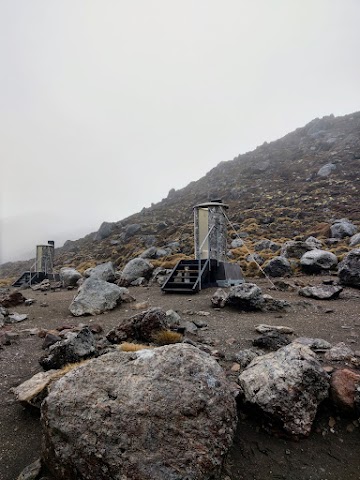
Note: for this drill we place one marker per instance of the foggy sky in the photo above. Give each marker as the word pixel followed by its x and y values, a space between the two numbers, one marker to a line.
pixel 105 105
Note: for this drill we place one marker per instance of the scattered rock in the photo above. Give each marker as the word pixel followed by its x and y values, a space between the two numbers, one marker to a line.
pixel 50 339
pixel 137 267
pixel 278 267
pixel 266 245
pixel 313 343
pixel 237 243
pixel 246 296
pixel 173 318
pixel 349 269
pixel 355 240
pixel 284 286
pixel 33 391
pixel 105 230
pixel 339 352
pixel 344 385
pixel 94 297
pixel 15 317
pixel 43 286
pixel 104 271
pixel 12 299
pixel 29 301
pixel 326 170
pixel 288 385
pixel 200 323
pixel 263 328
pixel 314 243
pixel 219 299
pixel 75 347
pixel 273 304
pixel 295 249
pixel 321 292
pixel 271 341
pixel 245 357
pixel 140 305
pixel 255 257
pixel 141 327
pixel 69 276
pixel 343 228
pixel 316 261
pixel 167 413
pixel 31 472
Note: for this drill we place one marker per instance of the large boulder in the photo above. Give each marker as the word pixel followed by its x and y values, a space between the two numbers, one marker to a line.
pixel 345 384
pixel 104 271
pixel 136 268
pixel 326 170
pixel 343 228
pixel 95 297
pixel 247 296
pixel 69 276
pixel 295 249
pixel 162 414
pixel 278 267
pixel 76 346
pixel 105 230
pixel 349 269
pixel 142 326
pixel 317 260
pixel 154 252
pixel 288 385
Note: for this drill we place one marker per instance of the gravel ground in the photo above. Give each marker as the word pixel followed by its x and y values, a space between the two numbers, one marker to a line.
pixel 258 452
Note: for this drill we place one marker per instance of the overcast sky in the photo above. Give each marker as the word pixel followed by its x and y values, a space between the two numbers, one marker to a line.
pixel 105 105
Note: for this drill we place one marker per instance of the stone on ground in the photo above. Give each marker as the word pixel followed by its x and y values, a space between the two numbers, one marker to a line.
pixel 271 341
pixel 339 353
pixel 137 267
pixel 69 276
pixel 343 228
pixel 355 240
pixel 219 299
pixel 313 343
pixel 349 269
pixel 33 391
pixel 288 385
pixel 247 296
pixel 263 328
pixel 321 292
pixel 317 260
pixel 162 414
pixel 94 297
pixel 104 271
pixel 295 249
pixel 75 347
pixel 278 267
pixel 344 386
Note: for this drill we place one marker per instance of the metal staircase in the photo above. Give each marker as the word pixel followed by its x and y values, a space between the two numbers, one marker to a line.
pixel 188 276
pixel 29 278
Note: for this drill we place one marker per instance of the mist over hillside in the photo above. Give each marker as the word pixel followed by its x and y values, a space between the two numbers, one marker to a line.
pixel 291 187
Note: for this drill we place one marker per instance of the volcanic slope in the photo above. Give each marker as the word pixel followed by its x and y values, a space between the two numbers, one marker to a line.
pixel 278 191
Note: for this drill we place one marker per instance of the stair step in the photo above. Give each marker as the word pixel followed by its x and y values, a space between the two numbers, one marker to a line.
pixel 179 290
pixel 180 284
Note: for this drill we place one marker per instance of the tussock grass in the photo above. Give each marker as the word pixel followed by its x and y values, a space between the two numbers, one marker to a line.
pixel 132 347
pixel 167 337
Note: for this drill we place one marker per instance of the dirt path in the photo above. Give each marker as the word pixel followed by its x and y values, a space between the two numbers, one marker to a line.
pixel 329 453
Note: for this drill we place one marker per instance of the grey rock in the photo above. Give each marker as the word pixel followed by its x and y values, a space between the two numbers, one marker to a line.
pixel 75 346
pixel 287 385
pixel 245 357
pixel 33 391
pixel 263 328
pixel 237 243
pixel 137 267
pixel 326 170
pixel 95 297
pixel 314 243
pixel 173 318
pixel 295 249
pixel 105 230
pixel 278 267
pixel 313 343
pixel 321 292
pixel 141 327
pixel 267 245
pixel 130 230
pixel 187 327
pixel 255 257
pixel 274 304
pixel 199 323
pixel 69 276
pixel 141 415
pixel 139 282
pixel 246 296
pixel 2 320
pixel 317 260
pixel 349 269
pixel 355 240
pixel 3 311
pixel 32 471
pixel 104 271
pixel 343 228
pixel 15 317
pixel 339 352
pixel 271 341
pixel 219 299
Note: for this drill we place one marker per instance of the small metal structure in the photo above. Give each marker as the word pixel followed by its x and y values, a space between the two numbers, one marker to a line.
pixel 210 267
pixel 42 269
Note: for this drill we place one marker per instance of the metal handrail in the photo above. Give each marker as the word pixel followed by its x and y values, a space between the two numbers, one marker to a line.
pixel 199 259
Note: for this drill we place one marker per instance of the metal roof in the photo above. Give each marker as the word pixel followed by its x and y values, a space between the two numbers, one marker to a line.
pixel 211 204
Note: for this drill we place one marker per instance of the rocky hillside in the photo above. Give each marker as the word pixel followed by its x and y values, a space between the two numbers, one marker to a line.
pixel 290 188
